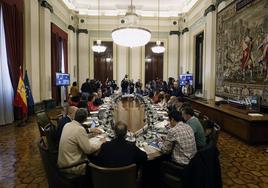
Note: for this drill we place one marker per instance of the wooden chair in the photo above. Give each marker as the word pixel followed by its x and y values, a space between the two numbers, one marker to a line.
pixel 122 177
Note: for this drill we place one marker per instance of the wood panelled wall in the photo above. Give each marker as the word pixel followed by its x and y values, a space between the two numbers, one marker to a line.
pixel 153 68
pixel 103 68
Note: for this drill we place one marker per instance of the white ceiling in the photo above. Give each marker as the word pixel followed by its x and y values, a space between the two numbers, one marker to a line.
pixel 168 8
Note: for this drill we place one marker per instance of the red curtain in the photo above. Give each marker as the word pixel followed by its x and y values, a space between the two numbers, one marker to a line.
pixel 59 39
pixel 54 63
pixel 13 23
pixel 18 3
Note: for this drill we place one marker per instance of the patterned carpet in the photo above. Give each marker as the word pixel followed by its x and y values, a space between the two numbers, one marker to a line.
pixel 242 165
pixel 21 166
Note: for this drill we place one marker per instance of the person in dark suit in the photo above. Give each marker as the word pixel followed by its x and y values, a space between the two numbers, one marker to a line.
pixel 125 84
pixel 119 152
pixel 98 101
pixel 85 88
pixel 176 90
pixel 67 116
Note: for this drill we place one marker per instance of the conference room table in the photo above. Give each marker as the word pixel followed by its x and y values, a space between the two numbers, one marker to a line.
pixel 133 113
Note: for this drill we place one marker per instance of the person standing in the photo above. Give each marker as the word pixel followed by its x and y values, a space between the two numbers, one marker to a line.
pixel 125 84
pixel 85 88
pixel 131 87
pixel 138 86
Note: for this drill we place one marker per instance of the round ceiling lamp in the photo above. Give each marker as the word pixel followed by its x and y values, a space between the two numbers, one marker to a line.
pixel 158 48
pixel 132 35
pixel 98 47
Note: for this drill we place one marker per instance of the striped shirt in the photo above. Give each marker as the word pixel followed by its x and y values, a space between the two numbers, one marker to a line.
pixel 180 141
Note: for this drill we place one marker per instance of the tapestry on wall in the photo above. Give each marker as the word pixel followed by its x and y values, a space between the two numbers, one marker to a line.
pixel 242 50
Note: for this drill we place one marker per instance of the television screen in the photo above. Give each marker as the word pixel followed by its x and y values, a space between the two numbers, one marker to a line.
pixel 186 77
pixel 255 103
pixel 62 79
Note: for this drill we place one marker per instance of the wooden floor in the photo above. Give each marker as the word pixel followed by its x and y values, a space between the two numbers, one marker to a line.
pixel 21 166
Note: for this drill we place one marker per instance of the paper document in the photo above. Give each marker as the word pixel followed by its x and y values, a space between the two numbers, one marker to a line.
pixel 255 114
pixel 161 125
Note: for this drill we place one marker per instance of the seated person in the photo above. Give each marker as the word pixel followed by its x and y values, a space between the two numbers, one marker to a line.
pixel 117 91
pixel 176 90
pixel 75 144
pixel 119 152
pixel 161 99
pixel 83 102
pixel 156 97
pixel 174 104
pixel 187 89
pixel 200 138
pixel 98 101
pixel 67 116
pixel 91 100
pixel 180 141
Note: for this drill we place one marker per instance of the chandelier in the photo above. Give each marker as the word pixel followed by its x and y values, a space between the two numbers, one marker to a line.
pixel 158 49
pixel 98 47
pixel 131 36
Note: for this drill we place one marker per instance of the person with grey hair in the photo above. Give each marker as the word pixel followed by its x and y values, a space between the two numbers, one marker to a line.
pixel 75 145
pixel 67 116
pixel 119 152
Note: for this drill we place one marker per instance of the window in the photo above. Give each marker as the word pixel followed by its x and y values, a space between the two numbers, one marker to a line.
pixel 6 89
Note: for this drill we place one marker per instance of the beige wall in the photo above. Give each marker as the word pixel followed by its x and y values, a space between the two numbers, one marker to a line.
pixel 38 45
pixel 196 22
pixel 130 61
pixel 178 57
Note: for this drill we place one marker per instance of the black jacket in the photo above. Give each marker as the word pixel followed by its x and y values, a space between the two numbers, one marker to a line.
pixel 85 88
pixel 124 85
pixel 62 122
pixel 176 92
pixel 204 170
pixel 118 153
pixel 98 102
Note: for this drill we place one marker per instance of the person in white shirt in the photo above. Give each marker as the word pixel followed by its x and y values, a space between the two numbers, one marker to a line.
pixel 75 145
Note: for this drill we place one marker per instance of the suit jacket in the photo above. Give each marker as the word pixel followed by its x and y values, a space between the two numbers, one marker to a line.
pixel 204 170
pixel 118 153
pixel 62 122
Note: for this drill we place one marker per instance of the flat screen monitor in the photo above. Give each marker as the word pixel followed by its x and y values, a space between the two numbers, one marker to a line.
pixel 62 79
pixel 255 103
pixel 186 77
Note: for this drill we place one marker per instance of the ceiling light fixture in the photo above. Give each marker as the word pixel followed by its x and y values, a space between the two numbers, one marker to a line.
pixel 98 47
pixel 131 36
pixel 158 49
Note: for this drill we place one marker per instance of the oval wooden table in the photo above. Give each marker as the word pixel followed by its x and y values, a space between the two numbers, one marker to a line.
pixel 132 113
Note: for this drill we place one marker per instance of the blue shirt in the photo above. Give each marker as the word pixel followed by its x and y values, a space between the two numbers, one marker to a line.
pixel 199 133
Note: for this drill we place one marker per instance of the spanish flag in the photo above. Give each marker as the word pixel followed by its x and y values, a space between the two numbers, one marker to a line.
pixel 21 98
